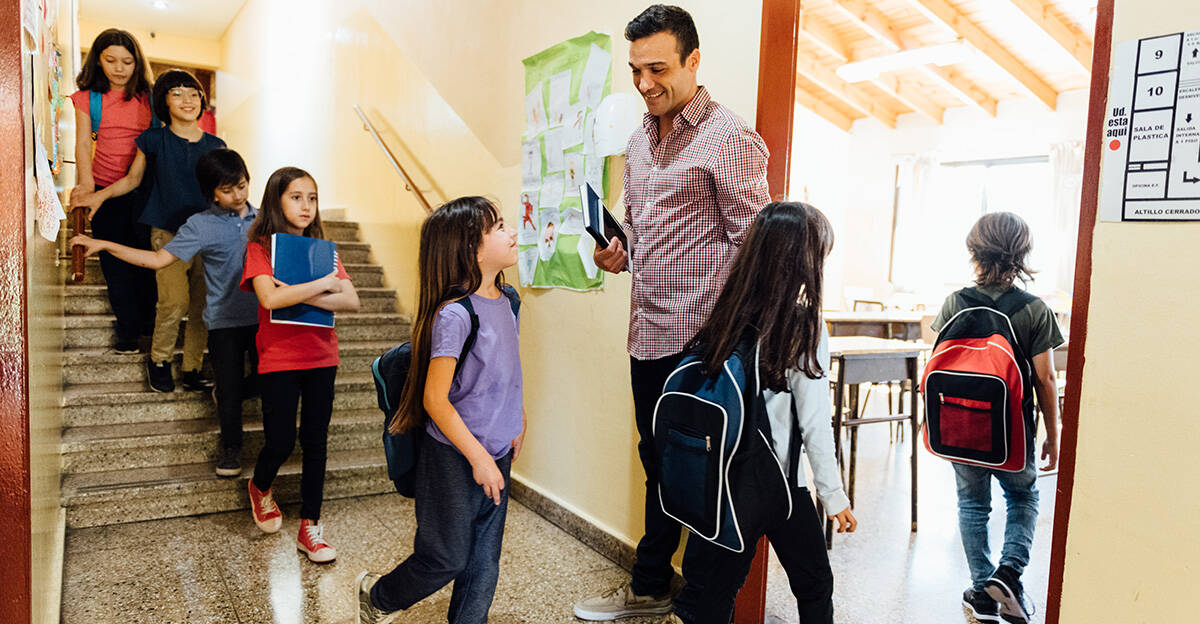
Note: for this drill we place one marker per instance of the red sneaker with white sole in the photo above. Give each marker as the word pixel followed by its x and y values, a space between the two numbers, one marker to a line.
pixel 312 543
pixel 266 513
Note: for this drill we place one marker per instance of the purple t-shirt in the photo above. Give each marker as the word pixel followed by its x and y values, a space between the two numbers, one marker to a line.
pixel 487 390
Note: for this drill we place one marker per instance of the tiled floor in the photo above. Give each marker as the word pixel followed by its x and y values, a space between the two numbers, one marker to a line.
pixel 220 568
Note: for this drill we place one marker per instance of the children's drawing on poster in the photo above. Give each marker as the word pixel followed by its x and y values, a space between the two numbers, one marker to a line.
pixel 560 97
pixel 549 237
pixel 564 85
pixel 552 192
pixel 573 169
pixel 535 112
pixel 595 77
pixel 527 229
pixel 531 163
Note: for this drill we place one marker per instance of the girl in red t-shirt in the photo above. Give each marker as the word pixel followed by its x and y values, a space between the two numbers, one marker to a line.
pixel 296 363
pixel 116 69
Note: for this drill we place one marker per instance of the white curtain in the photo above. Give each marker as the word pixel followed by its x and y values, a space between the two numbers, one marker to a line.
pixel 1066 171
pixel 914 210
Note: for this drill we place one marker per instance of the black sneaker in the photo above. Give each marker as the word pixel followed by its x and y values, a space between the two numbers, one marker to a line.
pixel 159 376
pixel 193 381
pixel 1005 587
pixel 230 464
pixel 981 606
pixel 126 345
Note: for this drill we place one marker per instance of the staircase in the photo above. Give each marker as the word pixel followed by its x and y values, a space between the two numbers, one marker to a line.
pixel 131 454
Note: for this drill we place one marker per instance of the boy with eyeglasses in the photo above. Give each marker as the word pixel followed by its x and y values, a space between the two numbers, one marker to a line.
pixel 169 155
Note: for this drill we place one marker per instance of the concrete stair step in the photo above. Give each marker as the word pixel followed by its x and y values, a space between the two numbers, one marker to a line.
pixel 363 275
pixel 96 330
pixel 133 402
pixel 93 299
pixel 335 230
pixel 144 445
pixel 118 496
pixel 102 366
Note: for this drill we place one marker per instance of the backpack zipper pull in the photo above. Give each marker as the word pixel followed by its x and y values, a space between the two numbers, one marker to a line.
pixel 941 398
pixel 708 443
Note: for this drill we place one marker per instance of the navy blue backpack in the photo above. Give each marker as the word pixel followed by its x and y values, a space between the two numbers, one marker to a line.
pixel 390 371
pixel 718 473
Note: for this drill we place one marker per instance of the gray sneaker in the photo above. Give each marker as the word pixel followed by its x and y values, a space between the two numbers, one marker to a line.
pixel 367 613
pixel 621 602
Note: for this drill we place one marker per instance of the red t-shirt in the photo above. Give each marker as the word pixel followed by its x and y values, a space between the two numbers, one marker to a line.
pixel 120 123
pixel 283 347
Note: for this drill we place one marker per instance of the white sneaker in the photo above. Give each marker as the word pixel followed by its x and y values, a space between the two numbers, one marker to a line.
pixel 621 602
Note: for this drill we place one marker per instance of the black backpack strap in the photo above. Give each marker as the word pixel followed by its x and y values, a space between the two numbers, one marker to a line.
pixel 794 451
pixel 1013 301
pixel 470 341
pixel 514 299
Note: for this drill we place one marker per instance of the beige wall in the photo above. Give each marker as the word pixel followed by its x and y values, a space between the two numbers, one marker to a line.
pixel 162 47
pixel 447 80
pixel 1131 547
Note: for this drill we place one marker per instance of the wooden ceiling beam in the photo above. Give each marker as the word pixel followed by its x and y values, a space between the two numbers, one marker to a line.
pixel 910 96
pixel 1079 47
pixel 954 82
pixel 849 94
pixel 826 111
pixel 821 35
pixel 871 20
pixel 946 15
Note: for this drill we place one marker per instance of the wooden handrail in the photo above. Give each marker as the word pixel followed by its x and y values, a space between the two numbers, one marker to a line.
pixel 79 224
pixel 409 185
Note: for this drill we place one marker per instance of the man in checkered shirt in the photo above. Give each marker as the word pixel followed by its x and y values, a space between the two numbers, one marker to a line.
pixel 695 178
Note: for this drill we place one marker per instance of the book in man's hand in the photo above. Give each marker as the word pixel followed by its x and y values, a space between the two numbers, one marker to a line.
pixel 296 260
pixel 599 222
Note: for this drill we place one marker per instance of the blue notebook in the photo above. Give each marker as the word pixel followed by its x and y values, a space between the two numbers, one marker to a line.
pixel 299 259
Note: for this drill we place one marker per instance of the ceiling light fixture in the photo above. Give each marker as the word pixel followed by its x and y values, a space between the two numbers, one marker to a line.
pixel 161 5
pixel 869 69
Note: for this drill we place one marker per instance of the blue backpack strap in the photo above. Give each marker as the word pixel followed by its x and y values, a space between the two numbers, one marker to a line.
pixel 95 108
pixel 514 299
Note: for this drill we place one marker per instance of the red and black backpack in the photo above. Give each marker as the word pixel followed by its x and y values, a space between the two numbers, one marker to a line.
pixel 978 385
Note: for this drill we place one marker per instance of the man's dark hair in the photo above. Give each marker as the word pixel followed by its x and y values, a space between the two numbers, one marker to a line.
pixel 169 80
pixel 666 18
pixel 220 167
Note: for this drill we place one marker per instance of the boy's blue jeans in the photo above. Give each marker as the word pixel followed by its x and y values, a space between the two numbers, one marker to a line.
pixel 974 505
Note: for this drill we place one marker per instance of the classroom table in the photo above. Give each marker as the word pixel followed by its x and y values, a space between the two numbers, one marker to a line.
pixel 859 360
pixel 879 324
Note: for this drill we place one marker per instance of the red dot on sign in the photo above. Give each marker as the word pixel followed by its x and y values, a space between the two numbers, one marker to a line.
pixel 1115 145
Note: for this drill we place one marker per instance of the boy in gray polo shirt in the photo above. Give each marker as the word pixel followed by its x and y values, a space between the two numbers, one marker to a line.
pixel 218 235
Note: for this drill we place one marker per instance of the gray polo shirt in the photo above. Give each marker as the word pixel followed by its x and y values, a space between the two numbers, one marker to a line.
pixel 219 236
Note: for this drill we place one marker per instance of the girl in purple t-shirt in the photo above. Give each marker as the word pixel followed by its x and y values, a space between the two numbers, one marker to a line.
pixel 476 421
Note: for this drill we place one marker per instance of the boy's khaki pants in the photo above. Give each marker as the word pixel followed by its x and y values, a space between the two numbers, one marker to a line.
pixel 181 291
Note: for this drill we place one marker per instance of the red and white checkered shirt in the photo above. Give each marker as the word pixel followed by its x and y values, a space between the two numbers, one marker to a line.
pixel 689 199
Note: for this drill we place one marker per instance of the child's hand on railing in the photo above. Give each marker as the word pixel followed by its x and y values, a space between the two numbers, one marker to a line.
pixel 89 244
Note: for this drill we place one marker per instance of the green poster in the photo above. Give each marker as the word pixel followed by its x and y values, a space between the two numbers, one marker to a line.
pixel 564 85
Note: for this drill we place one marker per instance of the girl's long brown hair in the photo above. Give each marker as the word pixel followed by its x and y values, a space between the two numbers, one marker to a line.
pixel 92 78
pixel 270 217
pixel 999 243
pixel 449 267
pixel 773 289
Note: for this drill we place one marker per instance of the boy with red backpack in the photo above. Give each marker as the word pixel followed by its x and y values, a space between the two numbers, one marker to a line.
pixel 994 350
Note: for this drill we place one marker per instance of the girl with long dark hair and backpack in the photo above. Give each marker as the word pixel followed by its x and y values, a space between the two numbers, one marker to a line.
pixel 995 348
pixel 766 320
pixel 112 107
pixel 471 410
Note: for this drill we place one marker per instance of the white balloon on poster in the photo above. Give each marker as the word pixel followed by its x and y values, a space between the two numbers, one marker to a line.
pixel 617 117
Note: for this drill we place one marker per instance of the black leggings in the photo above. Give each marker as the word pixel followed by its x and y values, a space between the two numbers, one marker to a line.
pixel 132 291
pixel 227 351
pixel 312 389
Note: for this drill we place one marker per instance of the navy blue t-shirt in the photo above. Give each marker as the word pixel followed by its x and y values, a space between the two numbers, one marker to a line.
pixel 171 160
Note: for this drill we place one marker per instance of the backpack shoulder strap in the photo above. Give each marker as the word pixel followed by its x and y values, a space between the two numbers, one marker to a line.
pixel 514 299
pixel 1013 301
pixel 470 341
pixel 95 108
pixel 971 298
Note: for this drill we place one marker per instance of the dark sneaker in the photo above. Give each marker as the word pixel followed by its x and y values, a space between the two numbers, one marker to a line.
pixel 193 381
pixel 981 606
pixel 1005 588
pixel 230 464
pixel 126 345
pixel 620 603
pixel 159 376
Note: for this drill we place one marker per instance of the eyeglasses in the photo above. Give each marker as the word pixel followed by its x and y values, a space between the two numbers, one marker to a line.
pixel 184 93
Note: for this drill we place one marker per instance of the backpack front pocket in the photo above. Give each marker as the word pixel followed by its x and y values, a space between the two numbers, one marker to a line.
pixel 967 417
pixel 691 466
pixel 965 423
